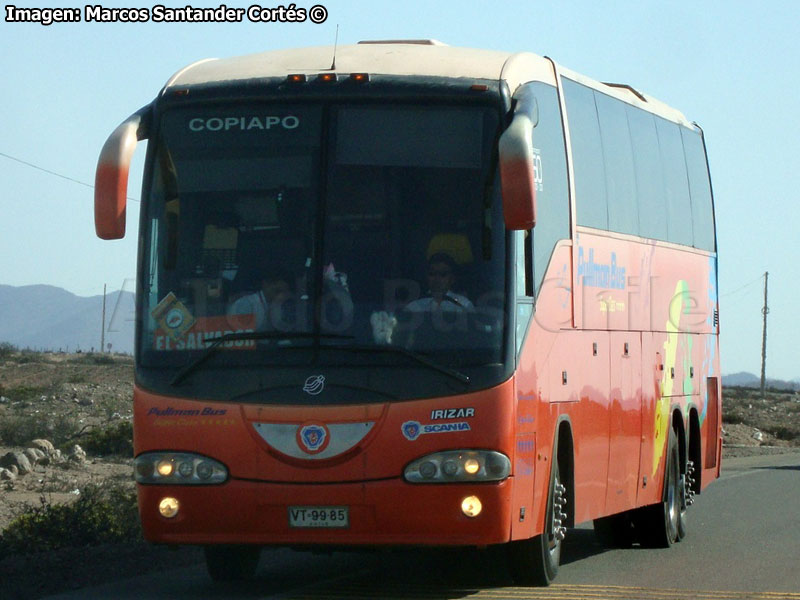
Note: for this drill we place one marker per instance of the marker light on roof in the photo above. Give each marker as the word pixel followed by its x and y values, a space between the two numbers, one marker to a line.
pixel 360 77
pixel 327 77
pixel 296 78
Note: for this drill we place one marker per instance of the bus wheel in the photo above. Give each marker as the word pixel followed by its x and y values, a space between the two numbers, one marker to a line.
pixel 232 563
pixel 535 561
pixel 660 524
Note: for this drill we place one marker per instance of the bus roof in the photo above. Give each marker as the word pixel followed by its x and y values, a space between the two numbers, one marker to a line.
pixel 404 58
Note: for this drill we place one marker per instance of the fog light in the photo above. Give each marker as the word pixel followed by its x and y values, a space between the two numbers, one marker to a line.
pixel 168 507
pixel 165 468
pixel 471 506
pixel 472 466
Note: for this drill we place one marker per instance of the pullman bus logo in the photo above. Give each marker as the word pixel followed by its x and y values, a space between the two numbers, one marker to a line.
pixel 314 384
pixel 313 438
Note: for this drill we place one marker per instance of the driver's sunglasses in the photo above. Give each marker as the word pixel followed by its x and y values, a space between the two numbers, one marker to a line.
pixel 439 272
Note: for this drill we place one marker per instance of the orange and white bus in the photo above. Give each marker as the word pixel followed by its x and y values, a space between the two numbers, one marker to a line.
pixel 422 296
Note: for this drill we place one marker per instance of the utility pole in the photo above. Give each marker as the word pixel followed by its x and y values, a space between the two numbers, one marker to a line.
pixel 103 330
pixel 764 311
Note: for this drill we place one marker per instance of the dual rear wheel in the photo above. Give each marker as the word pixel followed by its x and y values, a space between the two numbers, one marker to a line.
pixel 659 525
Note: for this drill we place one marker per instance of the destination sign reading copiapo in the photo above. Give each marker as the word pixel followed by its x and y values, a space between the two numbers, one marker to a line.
pixel 243 123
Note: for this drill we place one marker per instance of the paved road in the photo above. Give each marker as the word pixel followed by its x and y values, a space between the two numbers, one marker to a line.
pixel 744 542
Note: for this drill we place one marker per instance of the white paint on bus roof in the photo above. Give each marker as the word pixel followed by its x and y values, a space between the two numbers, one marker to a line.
pixel 426 58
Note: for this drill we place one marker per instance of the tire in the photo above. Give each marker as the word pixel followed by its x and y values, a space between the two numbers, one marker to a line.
pixel 660 524
pixel 535 561
pixel 232 563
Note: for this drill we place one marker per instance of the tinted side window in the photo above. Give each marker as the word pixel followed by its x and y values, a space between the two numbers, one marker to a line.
pixel 587 156
pixel 623 213
pixel 676 183
pixel 552 195
pixel 649 179
pixel 700 188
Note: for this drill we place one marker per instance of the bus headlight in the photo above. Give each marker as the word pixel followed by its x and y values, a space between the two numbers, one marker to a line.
pixel 458 466
pixel 178 468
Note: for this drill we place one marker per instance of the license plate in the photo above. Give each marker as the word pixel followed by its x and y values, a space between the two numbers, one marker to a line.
pixel 319 516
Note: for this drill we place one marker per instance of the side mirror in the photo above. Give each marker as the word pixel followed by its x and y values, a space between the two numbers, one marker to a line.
pixel 111 177
pixel 517 171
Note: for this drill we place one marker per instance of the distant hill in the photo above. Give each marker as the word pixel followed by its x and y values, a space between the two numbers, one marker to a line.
pixel 744 379
pixel 44 317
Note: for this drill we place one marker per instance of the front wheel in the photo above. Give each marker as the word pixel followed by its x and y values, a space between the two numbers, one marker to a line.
pixel 232 563
pixel 535 561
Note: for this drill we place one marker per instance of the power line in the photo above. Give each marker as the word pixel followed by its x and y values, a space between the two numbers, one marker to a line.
pixel 49 172
pixel 739 289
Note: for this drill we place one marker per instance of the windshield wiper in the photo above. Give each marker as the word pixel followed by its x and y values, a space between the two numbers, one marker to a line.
pixel 251 335
pixel 421 359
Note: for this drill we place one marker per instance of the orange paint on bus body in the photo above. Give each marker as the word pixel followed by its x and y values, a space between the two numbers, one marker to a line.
pixel 616 355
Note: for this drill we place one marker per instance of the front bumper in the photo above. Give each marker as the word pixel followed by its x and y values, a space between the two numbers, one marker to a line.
pixel 381 513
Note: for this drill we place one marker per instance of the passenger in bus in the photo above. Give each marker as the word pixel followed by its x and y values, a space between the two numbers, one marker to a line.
pixel 268 304
pixel 441 279
pixel 276 306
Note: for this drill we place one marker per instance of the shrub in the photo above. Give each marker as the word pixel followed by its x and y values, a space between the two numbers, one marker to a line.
pixel 28 392
pixel 117 440
pixel 20 430
pixel 734 415
pixel 77 378
pixel 7 349
pixel 783 432
pixel 102 514
pixel 93 358
pixel 31 356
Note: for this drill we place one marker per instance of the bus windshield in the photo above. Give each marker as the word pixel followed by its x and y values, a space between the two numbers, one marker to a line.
pixel 323 228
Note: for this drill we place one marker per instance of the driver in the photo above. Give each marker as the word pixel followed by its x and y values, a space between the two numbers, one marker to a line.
pixel 441 278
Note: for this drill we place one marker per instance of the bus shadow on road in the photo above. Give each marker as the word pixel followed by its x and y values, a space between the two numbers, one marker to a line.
pixel 445 573
pixel 580 544
pixel 780 468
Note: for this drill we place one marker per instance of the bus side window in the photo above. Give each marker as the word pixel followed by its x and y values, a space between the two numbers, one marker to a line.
pixel 700 189
pixel 676 183
pixel 649 178
pixel 623 209
pixel 587 156
pixel 552 195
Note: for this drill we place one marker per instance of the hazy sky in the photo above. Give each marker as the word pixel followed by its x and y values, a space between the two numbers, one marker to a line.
pixel 734 67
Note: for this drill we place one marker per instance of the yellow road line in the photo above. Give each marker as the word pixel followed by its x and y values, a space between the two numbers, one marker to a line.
pixel 375 591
